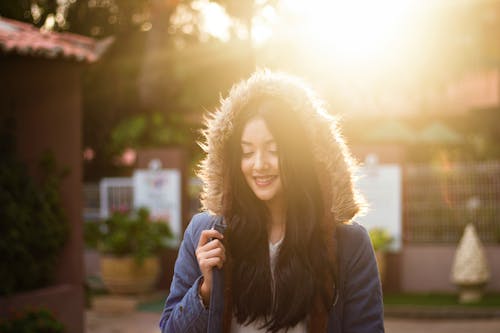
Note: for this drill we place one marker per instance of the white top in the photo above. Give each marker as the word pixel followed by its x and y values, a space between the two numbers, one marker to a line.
pixel 254 326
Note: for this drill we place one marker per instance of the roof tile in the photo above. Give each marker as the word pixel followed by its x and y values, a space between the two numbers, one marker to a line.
pixel 25 39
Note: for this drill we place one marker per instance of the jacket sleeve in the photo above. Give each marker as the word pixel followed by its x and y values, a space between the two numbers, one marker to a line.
pixel 363 305
pixel 183 312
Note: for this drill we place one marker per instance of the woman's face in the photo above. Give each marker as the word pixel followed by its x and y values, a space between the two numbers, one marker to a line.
pixel 259 160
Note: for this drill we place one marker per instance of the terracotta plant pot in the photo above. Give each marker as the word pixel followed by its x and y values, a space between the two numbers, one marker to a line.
pixel 123 275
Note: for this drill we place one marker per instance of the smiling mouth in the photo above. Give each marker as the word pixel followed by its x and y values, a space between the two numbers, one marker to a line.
pixel 264 181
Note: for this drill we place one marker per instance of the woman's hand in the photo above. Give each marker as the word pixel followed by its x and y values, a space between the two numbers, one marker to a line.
pixel 210 253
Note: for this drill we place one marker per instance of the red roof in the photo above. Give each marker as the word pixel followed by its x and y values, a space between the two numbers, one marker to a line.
pixel 26 39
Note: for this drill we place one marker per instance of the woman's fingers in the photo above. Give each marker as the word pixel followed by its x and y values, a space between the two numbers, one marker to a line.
pixel 213 244
pixel 218 252
pixel 208 263
pixel 207 235
pixel 214 249
pixel 210 252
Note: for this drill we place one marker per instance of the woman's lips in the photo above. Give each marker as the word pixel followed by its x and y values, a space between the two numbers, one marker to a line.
pixel 263 181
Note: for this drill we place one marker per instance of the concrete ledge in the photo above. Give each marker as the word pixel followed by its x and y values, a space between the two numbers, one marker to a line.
pixel 445 312
pixel 116 304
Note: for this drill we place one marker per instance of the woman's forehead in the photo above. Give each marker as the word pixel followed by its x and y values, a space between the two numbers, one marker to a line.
pixel 256 130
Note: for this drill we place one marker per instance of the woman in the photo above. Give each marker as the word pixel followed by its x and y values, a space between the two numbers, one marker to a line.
pixel 278 177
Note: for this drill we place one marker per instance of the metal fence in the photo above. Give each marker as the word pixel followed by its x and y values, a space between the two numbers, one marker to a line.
pixel 438 201
pixel 100 199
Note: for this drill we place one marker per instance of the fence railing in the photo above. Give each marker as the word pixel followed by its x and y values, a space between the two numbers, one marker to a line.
pixel 438 201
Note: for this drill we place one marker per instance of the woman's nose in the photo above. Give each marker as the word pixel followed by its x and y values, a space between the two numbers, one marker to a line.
pixel 261 161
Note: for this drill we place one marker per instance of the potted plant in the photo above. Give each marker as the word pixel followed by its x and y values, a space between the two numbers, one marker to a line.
pixel 129 243
pixel 381 240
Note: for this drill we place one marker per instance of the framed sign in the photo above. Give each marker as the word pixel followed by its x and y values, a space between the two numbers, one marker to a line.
pixel 160 191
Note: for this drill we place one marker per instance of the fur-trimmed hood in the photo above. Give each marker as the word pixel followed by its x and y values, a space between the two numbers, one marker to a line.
pixel 334 164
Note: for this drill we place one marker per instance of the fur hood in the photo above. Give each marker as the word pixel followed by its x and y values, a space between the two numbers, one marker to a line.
pixel 334 164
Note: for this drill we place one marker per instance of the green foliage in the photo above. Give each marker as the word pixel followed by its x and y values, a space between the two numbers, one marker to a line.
pixel 128 233
pixel 434 300
pixel 381 239
pixel 148 131
pixel 95 18
pixel 110 95
pixel 100 18
pixel 21 10
pixel 32 224
pixel 31 321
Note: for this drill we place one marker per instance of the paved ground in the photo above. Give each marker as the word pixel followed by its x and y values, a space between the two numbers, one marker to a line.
pixel 133 322
pixel 146 322
pixel 442 326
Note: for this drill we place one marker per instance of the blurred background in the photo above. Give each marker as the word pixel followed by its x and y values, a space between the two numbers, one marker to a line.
pixel 94 92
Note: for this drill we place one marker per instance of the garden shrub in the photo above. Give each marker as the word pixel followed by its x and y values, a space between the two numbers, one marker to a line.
pixel 33 226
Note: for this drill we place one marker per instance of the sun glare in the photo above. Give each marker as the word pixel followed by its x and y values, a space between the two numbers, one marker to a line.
pixel 214 20
pixel 360 37
pixel 354 32
pixel 261 25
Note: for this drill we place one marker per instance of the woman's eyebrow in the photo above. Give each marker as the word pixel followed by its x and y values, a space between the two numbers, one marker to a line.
pixel 267 142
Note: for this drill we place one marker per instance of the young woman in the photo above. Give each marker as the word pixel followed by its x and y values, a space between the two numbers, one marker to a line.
pixel 278 177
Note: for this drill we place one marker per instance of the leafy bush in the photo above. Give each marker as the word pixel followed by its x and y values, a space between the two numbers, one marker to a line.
pixel 381 239
pixel 31 321
pixel 148 130
pixel 32 224
pixel 128 233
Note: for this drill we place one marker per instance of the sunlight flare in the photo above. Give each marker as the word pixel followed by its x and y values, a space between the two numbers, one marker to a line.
pixel 356 31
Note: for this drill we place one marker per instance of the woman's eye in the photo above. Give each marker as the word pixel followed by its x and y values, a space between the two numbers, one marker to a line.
pixel 247 153
pixel 273 148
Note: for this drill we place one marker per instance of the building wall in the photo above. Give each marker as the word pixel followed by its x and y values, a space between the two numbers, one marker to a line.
pixel 427 268
pixel 45 98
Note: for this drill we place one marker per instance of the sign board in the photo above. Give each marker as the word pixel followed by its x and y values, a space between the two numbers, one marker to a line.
pixel 381 187
pixel 160 191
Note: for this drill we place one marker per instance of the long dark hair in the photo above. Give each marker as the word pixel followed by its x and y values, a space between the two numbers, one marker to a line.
pixel 303 264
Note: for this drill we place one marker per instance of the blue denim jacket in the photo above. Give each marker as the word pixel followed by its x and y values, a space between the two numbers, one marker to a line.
pixel 358 308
